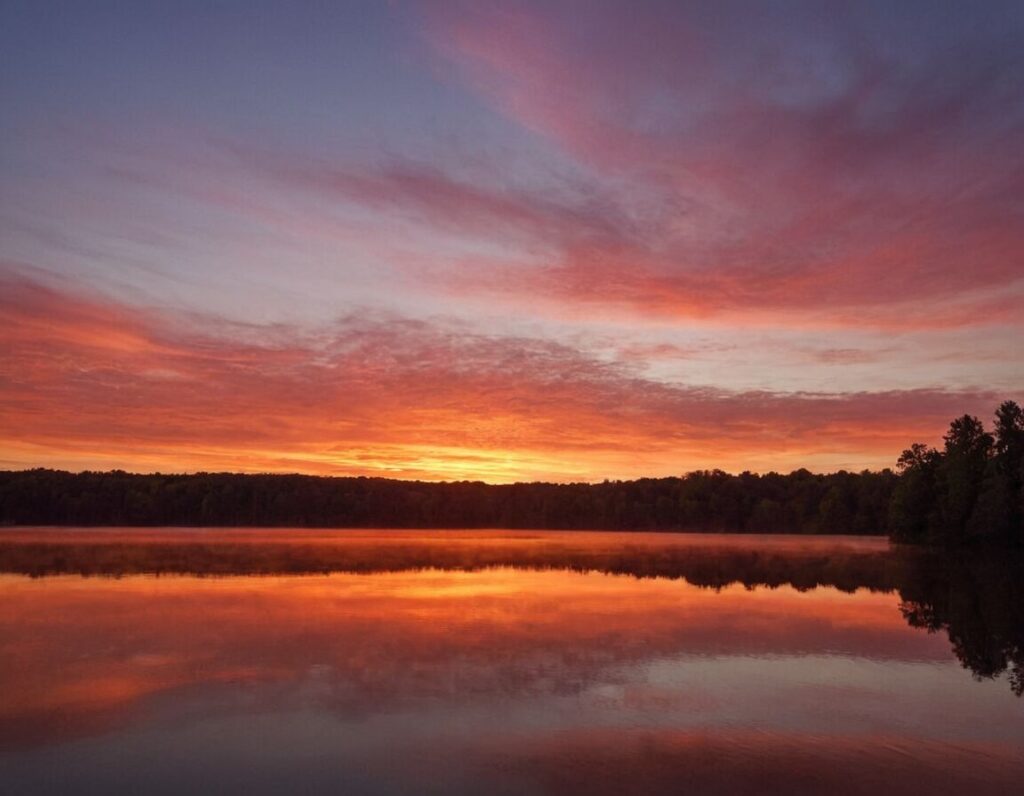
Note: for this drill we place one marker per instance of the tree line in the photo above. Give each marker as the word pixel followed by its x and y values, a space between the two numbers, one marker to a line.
pixel 800 502
pixel 970 491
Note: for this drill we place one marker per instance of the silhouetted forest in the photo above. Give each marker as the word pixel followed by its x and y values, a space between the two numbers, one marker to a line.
pixel 801 502
pixel 969 492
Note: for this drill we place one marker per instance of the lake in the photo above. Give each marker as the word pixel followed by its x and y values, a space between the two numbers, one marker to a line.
pixel 381 662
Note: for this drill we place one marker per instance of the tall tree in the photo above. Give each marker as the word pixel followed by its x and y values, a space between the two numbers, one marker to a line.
pixel 968 448
pixel 1001 502
pixel 913 507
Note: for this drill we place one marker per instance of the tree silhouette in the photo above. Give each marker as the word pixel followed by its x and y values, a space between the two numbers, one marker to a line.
pixel 968 493
pixel 801 502
pixel 913 507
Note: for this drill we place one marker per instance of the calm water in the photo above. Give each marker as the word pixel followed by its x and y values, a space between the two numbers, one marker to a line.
pixel 468 662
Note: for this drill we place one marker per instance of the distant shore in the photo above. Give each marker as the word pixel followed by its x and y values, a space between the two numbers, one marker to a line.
pixel 799 502
pixel 968 493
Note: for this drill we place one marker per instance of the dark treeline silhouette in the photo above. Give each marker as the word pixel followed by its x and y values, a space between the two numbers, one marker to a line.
pixel 969 492
pixel 800 502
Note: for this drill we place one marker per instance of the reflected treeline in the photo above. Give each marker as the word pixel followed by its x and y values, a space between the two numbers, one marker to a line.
pixel 845 567
pixel 977 599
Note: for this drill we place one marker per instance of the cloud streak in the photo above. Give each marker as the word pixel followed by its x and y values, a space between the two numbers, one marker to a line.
pixel 91 382
pixel 843 182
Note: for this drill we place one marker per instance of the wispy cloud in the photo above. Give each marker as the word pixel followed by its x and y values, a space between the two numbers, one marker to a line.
pixel 90 380
pixel 846 181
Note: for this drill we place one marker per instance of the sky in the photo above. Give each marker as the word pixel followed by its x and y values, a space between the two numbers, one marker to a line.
pixel 505 241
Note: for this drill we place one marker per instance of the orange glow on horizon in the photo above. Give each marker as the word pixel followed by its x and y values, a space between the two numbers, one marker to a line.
pixel 100 386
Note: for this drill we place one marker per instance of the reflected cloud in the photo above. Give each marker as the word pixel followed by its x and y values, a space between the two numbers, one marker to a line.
pixel 80 653
pixel 627 623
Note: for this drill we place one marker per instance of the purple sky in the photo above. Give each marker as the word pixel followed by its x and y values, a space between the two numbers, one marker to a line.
pixel 505 240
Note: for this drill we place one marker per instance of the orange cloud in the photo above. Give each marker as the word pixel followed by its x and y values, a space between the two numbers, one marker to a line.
pixel 92 383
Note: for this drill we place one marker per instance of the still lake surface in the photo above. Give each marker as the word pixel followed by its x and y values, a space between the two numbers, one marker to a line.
pixel 276 661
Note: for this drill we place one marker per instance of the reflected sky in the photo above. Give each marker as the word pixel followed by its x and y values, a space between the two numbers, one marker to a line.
pixel 491 679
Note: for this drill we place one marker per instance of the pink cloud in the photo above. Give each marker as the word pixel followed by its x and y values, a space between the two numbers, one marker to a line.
pixel 867 190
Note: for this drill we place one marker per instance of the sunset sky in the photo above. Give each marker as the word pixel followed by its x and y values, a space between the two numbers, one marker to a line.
pixel 506 241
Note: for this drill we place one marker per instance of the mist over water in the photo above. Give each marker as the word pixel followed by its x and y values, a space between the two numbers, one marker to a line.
pixel 162 661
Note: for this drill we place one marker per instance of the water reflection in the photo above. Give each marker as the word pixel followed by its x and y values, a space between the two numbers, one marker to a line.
pixel 978 601
pixel 502 663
